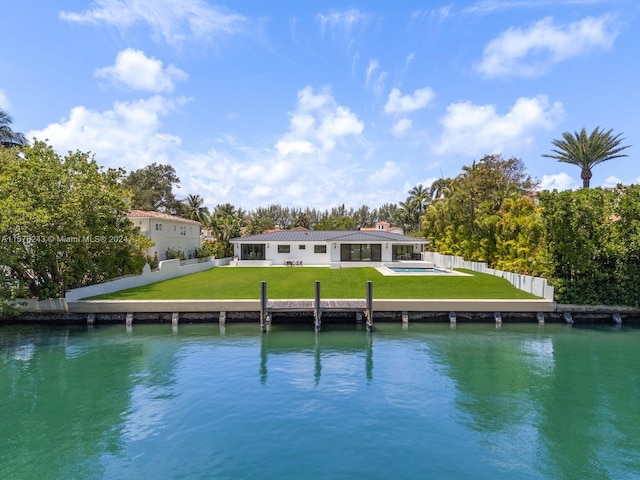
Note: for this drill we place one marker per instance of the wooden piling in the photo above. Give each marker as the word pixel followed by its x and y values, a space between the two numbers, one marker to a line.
pixel 369 306
pixel 617 319
pixel 263 306
pixel 317 313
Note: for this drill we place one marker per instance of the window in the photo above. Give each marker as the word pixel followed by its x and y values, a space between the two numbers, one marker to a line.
pixel 402 252
pixel 158 227
pixel 284 248
pixel 319 249
pixel 301 247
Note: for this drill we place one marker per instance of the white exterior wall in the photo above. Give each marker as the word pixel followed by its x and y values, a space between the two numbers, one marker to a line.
pixel 169 235
pixel 166 270
pixel 307 254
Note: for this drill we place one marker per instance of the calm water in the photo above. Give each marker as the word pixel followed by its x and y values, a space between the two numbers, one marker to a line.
pixel 522 402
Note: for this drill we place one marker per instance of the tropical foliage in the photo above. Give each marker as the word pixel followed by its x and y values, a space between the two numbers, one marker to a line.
pixel 587 151
pixel 63 222
pixel 486 214
pixel 593 239
pixel 9 138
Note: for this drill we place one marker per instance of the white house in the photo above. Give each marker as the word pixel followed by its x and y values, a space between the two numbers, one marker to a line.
pixel 167 231
pixel 300 246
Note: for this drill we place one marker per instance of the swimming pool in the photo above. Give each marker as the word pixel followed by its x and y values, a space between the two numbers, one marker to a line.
pixel 419 270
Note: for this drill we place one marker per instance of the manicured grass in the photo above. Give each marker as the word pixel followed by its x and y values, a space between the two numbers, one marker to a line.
pixel 299 282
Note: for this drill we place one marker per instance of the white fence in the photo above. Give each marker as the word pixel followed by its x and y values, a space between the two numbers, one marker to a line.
pixel 535 285
pixel 167 269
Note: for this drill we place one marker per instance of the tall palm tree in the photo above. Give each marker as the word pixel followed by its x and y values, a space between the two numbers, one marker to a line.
pixel 586 151
pixel 195 210
pixel 419 197
pixel 9 138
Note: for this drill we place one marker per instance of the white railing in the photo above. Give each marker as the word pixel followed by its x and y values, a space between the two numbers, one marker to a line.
pixel 535 285
pixel 166 269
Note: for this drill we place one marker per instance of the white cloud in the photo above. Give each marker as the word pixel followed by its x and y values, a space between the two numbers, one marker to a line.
pixel 5 104
pixel 342 19
pixel 478 129
pixel 401 127
pixel 384 175
pixel 560 181
pixel 373 66
pixel 532 51
pixel 128 134
pixel 172 21
pixel 135 70
pixel 317 124
pixel 612 181
pixel 378 84
pixel 398 103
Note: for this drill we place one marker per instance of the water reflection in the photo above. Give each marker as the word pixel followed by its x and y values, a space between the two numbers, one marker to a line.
pixel 524 401
pixel 337 345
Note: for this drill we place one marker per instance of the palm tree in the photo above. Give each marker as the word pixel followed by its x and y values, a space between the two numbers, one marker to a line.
pixel 9 138
pixel 418 196
pixel 585 151
pixel 440 188
pixel 195 210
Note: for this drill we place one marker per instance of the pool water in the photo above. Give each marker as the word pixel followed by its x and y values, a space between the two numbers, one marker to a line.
pixel 423 270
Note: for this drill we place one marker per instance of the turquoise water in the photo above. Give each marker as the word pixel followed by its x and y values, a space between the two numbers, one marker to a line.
pixel 417 270
pixel 520 402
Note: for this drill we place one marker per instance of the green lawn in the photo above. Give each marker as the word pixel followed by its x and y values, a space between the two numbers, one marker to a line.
pixel 299 282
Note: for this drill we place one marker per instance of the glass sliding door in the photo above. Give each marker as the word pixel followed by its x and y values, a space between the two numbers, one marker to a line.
pixel 361 252
pixel 252 251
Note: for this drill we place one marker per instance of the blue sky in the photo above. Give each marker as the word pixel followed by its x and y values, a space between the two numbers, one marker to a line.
pixel 320 103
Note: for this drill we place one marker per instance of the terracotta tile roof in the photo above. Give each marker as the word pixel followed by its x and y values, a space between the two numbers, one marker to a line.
pixel 163 216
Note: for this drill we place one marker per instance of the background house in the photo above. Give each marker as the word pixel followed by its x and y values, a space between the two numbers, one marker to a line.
pixel 167 232
pixel 334 247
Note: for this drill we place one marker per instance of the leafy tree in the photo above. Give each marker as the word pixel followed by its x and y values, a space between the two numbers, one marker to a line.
pixel 466 221
pixel 585 252
pixel 63 221
pixel 9 138
pixel 152 188
pixel 334 222
pixel 386 212
pixel 587 151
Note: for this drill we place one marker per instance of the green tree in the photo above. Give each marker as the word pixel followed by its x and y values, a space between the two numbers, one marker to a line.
pixel 585 251
pixel 195 210
pixel 63 221
pixel 152 188
pixel 587 151
pixel 466 221
pixel 9 138
pixel 226 223
pixel 418 196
